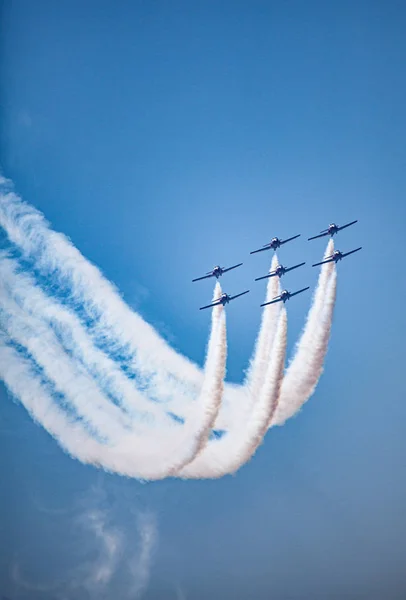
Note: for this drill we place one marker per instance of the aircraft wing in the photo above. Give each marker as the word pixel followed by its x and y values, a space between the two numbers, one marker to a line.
pixel 216 303
pixel 348 224
pixel 351 251
pixel 295 267
pixel 290 239
pixel 299 291
pixel 238 295
pixel 267 247
pixel 272 274
pixel 234 267
pixel 323 262
pixel 318 236
pixel 204 277
pixel 274 301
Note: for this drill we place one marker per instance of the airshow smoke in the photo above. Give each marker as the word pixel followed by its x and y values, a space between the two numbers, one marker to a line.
pixel 111 391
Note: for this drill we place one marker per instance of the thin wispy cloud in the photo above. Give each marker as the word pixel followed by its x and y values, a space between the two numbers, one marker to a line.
pixel 110 558
pixel 110 543
pixel 141 563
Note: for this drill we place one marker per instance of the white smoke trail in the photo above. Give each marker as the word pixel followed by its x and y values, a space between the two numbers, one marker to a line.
pixel 127 453
pixel 208 405
pixel 166 376
pixel 33 302
pixel 239 444
pixel 238 406
pixel 169 379
pixel 269 322
pixel 80 391
pixel 305 369
pixel 22 381
pixel 166 373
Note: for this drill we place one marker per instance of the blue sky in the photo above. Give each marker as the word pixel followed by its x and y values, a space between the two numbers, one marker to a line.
pixel 164 138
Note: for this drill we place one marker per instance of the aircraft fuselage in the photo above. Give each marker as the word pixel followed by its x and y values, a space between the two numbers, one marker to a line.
pixel 332 228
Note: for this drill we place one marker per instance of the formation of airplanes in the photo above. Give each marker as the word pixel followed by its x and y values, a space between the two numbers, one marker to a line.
pixel 274 244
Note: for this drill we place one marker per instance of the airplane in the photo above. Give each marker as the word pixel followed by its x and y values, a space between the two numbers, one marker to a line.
pixel 216 272
pixel 279 271
pixel 274 244
pixel 331 230
pixel 223 299
pixel 336 256
pixel 285 295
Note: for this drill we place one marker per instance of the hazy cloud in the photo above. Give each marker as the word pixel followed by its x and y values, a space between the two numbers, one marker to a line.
pixel 140 565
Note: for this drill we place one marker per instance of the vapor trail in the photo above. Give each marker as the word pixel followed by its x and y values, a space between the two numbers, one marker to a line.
pixel 239 405
pixel 161 454
pixel 57 320
pixel 208 405
pixel 64 354
pixel 260 361
pixel 165 373
pixel 170 381
pixel 239 444
pixel 305 369
pixel 80 392
pixel 23 382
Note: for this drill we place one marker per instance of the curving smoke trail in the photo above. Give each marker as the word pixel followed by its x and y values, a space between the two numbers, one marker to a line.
pixel 260 360
pixel 103 382
pixel 128 452
pixel 66 330
pixel 305 369
pixel 239 407
pixel 81 395
pixel 163 372
pixel 239 444
pixel 208 405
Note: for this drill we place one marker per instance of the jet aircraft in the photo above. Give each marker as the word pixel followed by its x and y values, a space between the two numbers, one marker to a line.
pixel 331 230
pixel 216 272
pixel 336 256
pixel 274 244
pixel 285 295
pixel 223 299
pixel 279 271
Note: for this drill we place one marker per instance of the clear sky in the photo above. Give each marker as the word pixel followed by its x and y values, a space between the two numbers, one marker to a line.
pixel 164 138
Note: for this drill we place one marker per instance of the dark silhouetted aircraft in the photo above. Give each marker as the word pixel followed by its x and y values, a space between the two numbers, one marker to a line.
pixel 224 299
pixel 336 256
pixel 285 295
pixel 274 244
pixel 217 272
pixel 279 271
pixel 331 230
